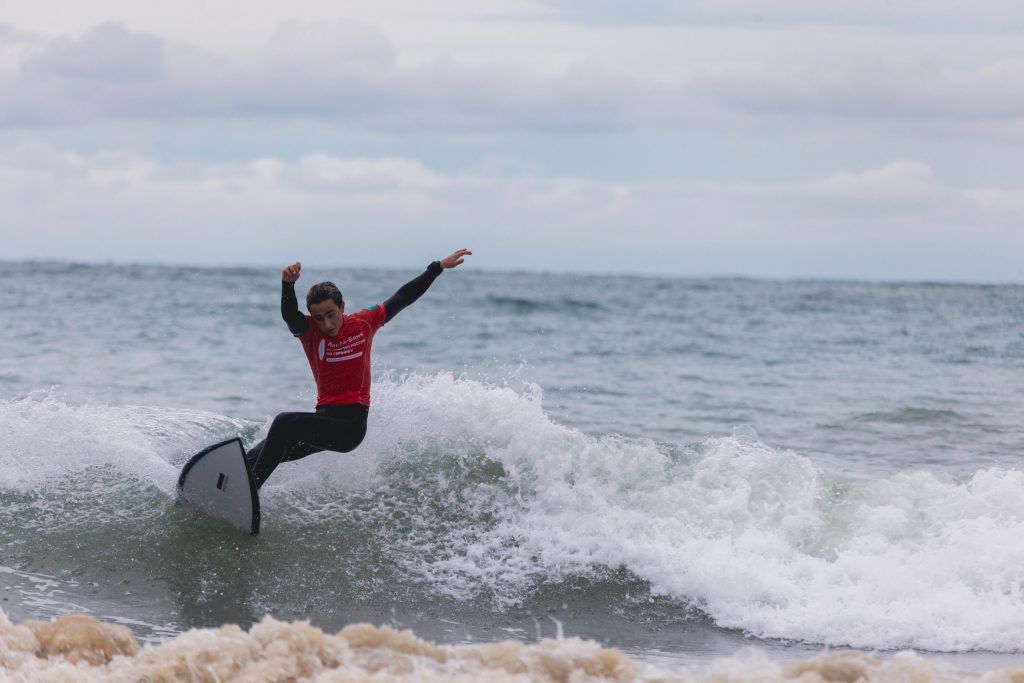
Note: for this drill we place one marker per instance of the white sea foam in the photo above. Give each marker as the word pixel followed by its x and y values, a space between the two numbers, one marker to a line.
pixel 760 539
pixel 44 437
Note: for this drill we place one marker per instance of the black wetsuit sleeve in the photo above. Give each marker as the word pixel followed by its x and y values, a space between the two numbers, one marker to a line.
pixel 411 290
pixel 297 322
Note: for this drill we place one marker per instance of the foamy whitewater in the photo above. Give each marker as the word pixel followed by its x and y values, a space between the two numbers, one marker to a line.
pixel 701 479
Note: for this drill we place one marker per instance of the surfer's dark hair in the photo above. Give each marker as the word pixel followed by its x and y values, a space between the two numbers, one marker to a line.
pixel 321 292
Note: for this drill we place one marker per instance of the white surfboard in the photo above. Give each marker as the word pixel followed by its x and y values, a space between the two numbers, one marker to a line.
pixel 218 481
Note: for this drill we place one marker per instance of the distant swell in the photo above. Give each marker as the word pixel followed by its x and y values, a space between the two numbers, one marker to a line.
pixel 523 306
pixel 911 416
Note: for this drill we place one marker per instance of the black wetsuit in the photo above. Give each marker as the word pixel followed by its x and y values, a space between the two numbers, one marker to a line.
pixel 332 427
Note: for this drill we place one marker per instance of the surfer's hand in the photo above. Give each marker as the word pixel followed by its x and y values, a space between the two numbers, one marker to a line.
pixel 455 259
pixel 291 273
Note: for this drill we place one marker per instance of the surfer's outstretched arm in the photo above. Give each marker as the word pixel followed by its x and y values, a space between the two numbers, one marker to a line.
pixel 414 289
pixel 297 322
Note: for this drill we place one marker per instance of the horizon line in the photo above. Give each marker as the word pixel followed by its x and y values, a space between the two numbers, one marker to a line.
pixel 129 263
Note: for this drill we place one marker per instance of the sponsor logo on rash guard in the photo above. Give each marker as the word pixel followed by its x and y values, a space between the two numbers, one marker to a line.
pixel 348 348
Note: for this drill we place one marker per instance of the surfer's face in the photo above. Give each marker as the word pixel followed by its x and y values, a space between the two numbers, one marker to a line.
pixel 327 316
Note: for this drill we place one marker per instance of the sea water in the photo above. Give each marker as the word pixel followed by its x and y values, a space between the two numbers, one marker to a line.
pixel 710 475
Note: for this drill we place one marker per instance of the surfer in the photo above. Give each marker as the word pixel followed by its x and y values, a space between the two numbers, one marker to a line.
pixel 338 349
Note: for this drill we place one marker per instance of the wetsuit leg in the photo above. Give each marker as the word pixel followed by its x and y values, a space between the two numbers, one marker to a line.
pixel 295 435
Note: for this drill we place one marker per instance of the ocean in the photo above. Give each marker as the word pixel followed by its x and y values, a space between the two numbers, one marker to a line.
pixel 670 478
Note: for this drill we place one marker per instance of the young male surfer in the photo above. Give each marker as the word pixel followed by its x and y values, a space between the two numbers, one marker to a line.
pixel 338 349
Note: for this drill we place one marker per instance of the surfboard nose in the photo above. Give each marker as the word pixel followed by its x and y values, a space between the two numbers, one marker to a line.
pixel 204 485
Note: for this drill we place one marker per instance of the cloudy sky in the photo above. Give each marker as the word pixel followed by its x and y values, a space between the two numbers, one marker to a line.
pixel 874 139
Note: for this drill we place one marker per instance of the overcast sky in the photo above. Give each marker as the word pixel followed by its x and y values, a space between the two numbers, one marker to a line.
pixel 797 138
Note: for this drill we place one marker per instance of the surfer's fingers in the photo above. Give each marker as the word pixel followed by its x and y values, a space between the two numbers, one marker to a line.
pixel 456 258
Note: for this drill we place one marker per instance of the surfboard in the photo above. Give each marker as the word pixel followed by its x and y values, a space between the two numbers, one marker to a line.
pixel 218 481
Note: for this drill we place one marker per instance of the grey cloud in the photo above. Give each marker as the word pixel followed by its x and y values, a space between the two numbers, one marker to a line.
pixel 108 52
pixel 333 72
pixel 881 88
pixel 11 34
pixel 584 97
pixel 349 74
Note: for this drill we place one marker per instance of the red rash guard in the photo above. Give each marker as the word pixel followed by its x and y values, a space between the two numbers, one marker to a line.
pixel 341 364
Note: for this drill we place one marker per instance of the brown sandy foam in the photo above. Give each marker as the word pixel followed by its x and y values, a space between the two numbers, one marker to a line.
pixel 81 648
